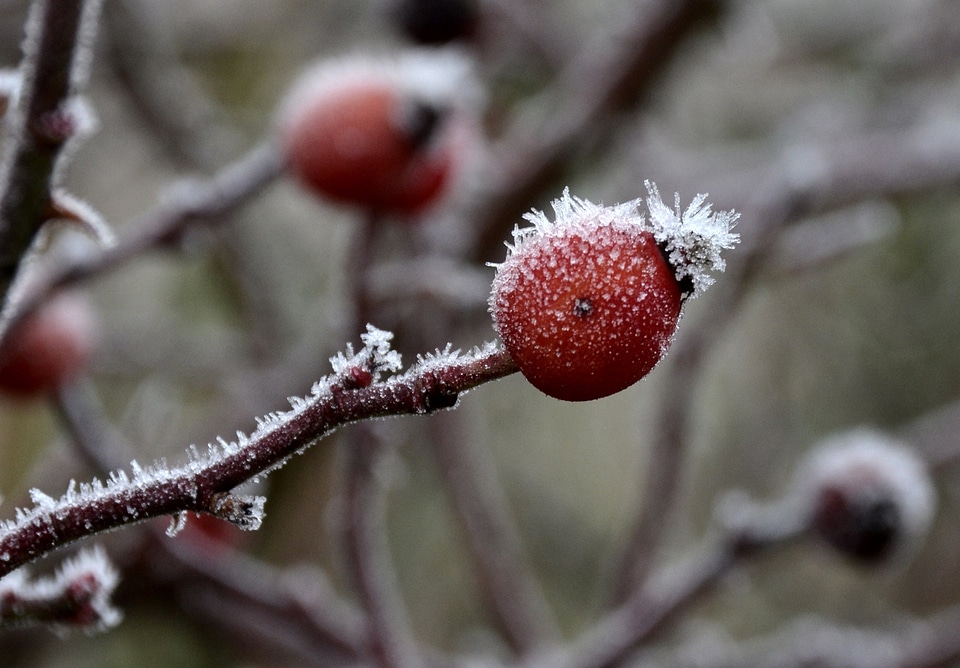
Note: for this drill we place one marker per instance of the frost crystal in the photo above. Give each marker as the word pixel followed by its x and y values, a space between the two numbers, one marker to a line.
pixel 245 512
pixel 177 524
pixel 692 239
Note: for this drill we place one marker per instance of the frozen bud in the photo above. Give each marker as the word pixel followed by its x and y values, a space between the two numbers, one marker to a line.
pixel 867 494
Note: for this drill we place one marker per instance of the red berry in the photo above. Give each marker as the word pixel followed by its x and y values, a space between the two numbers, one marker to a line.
pixel 371 135
pixel 588 305
pixel 47 348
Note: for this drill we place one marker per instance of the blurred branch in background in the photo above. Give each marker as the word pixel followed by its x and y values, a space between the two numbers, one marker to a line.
pixel 517 530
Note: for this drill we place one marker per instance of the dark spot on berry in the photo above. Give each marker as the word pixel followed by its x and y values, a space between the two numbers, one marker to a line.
pixel 583 307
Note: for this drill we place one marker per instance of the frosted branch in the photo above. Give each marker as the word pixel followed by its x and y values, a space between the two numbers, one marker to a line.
pixel 435 382
pixel 78 596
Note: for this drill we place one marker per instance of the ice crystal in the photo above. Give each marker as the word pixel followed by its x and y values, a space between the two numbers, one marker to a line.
pixel 692 239
pixel 178 523
pixel 245 512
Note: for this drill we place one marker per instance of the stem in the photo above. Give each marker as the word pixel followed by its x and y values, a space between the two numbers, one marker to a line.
pixel 467 467
pixel 391 640
pixel 210 201
pixel 42 125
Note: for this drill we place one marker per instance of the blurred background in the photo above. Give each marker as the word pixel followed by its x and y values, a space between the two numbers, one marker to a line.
pixel 834 129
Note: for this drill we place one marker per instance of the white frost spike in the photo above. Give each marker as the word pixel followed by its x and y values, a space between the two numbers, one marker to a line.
pixel 177 524
pixel 439 358
pixel 42 500
pixel 692 239
pixel 376 342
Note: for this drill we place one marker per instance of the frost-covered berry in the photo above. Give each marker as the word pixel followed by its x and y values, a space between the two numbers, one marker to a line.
pixel 866 494
pixel 378 134
pixel 48 348
pixel 588 304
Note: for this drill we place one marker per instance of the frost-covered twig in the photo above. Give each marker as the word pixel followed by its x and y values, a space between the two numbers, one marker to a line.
pixel 58 45
pixel 219 577
pixel 353 393
pixel 77 597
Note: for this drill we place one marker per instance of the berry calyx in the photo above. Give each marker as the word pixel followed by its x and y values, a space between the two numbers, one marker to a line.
pixel 374 134
pixel 588 304
pixel 48 348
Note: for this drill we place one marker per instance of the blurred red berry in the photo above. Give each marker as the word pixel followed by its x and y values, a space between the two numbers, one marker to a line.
pixel 48 348
pixel 588 304
pixel 373 135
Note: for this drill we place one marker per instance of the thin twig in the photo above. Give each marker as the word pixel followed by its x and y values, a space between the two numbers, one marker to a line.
pixel 391 639
pixel 470 473
pixel 617 634
pixel 42 125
